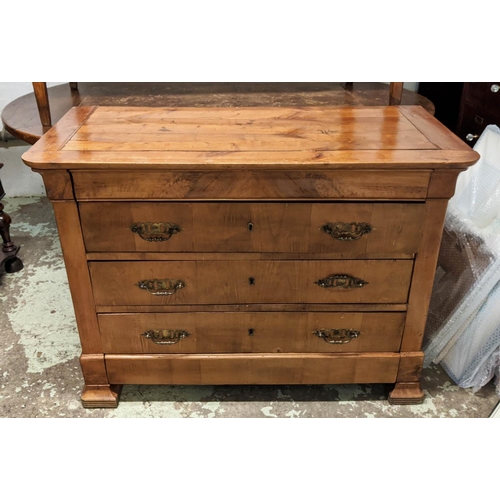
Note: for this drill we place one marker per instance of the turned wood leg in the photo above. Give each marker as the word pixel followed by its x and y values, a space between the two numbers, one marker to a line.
pixel 97 392
pixel 11 262
pixel 73 85
pixel 5 220
pixel 407 390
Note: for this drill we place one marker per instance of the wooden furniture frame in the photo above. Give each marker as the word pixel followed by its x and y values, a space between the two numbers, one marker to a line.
pixel 250 245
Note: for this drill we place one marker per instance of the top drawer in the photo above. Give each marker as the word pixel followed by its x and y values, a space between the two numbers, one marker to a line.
pixel 356 230
pixel 251 185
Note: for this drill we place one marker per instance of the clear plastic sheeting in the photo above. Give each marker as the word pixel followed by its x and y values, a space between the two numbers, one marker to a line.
pixel 463 327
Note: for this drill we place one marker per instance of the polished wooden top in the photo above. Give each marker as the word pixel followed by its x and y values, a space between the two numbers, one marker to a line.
pixel 258 137
pixel 21 117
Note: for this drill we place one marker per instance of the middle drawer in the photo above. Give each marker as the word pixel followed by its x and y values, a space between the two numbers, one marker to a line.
pixel 250 282
pixel 351 229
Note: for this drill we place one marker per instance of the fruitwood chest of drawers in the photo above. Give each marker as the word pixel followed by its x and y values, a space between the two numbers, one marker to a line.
pixel 250 245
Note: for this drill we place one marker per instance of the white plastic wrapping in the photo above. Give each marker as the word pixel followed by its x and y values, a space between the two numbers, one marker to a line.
pixel 463 329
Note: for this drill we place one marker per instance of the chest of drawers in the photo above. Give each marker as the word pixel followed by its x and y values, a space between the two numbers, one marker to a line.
pixel 250 245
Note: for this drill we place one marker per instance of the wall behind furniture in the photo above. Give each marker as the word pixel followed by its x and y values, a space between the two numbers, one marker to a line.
pixel 17 178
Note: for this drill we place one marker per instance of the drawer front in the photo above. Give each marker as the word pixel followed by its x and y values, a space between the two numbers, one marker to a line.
pixel 250 332
pixel 250 282
pixel 343 228
pixel 266 369
pixel 473 123
pixel 250 185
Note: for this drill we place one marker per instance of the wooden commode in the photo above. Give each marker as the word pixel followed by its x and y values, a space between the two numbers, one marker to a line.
pixel 250 245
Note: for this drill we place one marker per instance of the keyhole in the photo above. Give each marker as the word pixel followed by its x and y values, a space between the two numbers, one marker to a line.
pixel 251 281
pixel 250 226
pixel 250 332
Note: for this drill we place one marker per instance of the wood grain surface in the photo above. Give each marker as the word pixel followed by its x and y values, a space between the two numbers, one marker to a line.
pixel 253 308
pixel 255 227
pixel 70 235
pixel 243 184
pixel 252 282
pixel 21 117
pixel 252 368
pixel 116 137
pixel 250 332
pixel 246 273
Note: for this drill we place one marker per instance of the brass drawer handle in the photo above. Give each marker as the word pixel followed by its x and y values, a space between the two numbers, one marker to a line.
pixel 337 336
pixel 341 281
pixel 155 231
pixel 346 231
pixel 165 337
pixel 166 286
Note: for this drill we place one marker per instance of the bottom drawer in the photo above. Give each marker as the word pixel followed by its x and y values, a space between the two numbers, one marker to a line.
pixel 226 332
pixel 242 369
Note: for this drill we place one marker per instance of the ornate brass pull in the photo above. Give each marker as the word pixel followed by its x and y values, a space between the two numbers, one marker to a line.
pixel 165 337
pixel 155 231
pixel 166 286
pixel 337 336
pixel 341 281
pixel 346 231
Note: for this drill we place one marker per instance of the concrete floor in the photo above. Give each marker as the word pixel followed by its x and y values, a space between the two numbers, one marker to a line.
pixel 40 375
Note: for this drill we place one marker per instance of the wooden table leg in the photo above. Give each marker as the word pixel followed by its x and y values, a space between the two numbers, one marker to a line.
pixel 42 101
pixel 395 93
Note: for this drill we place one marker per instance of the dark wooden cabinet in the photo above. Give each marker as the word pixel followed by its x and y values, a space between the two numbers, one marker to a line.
pixel 465 108
pixel 446 97
pixel 480 107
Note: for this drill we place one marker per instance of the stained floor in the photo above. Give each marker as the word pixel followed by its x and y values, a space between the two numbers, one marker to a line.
pixel 40 375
